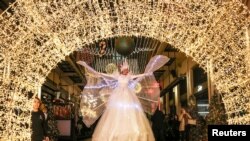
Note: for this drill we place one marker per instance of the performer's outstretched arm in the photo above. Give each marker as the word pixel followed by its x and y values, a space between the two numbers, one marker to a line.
pixel 140 75
pixel 108 75
pixel 97 74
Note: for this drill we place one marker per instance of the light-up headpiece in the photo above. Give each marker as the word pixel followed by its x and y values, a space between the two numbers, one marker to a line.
pixel 124 65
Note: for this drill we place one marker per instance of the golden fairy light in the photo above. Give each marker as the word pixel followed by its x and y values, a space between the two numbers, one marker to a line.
pixel 36 35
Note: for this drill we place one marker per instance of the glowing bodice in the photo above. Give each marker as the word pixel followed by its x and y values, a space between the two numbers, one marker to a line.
pixel 123 80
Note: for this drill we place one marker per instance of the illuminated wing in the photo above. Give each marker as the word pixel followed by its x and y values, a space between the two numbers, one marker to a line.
pixel 155 63
pixel 147 88
pixel 95 94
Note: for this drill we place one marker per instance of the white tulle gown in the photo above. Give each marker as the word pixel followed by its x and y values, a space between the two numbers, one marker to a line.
pixel 124 118
pixel 113 97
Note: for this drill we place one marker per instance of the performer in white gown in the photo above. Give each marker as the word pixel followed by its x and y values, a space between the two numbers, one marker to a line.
pixel 115 95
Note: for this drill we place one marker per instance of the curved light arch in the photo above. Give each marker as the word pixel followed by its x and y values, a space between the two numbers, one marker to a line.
pixel 36 36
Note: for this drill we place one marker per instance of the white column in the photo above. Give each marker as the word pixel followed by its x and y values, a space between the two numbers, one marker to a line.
pixel 177 98
pixel 189 76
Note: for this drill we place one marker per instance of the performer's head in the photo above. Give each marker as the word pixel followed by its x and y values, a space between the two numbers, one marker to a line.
pixel 125 68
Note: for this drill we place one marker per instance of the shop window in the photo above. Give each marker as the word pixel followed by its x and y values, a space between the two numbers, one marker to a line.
pixel 201 90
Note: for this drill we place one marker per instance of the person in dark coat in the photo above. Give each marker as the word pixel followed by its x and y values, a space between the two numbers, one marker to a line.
pixel 158 125
pixel 173 128
pixel 38 123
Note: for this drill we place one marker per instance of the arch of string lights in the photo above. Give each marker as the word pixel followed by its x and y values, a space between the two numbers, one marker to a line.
pixel 37 34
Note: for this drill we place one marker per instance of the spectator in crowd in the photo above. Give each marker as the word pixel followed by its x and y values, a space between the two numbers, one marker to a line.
pixel 38 122
pixel 172 128
pixel 183 127
pixel 158 125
